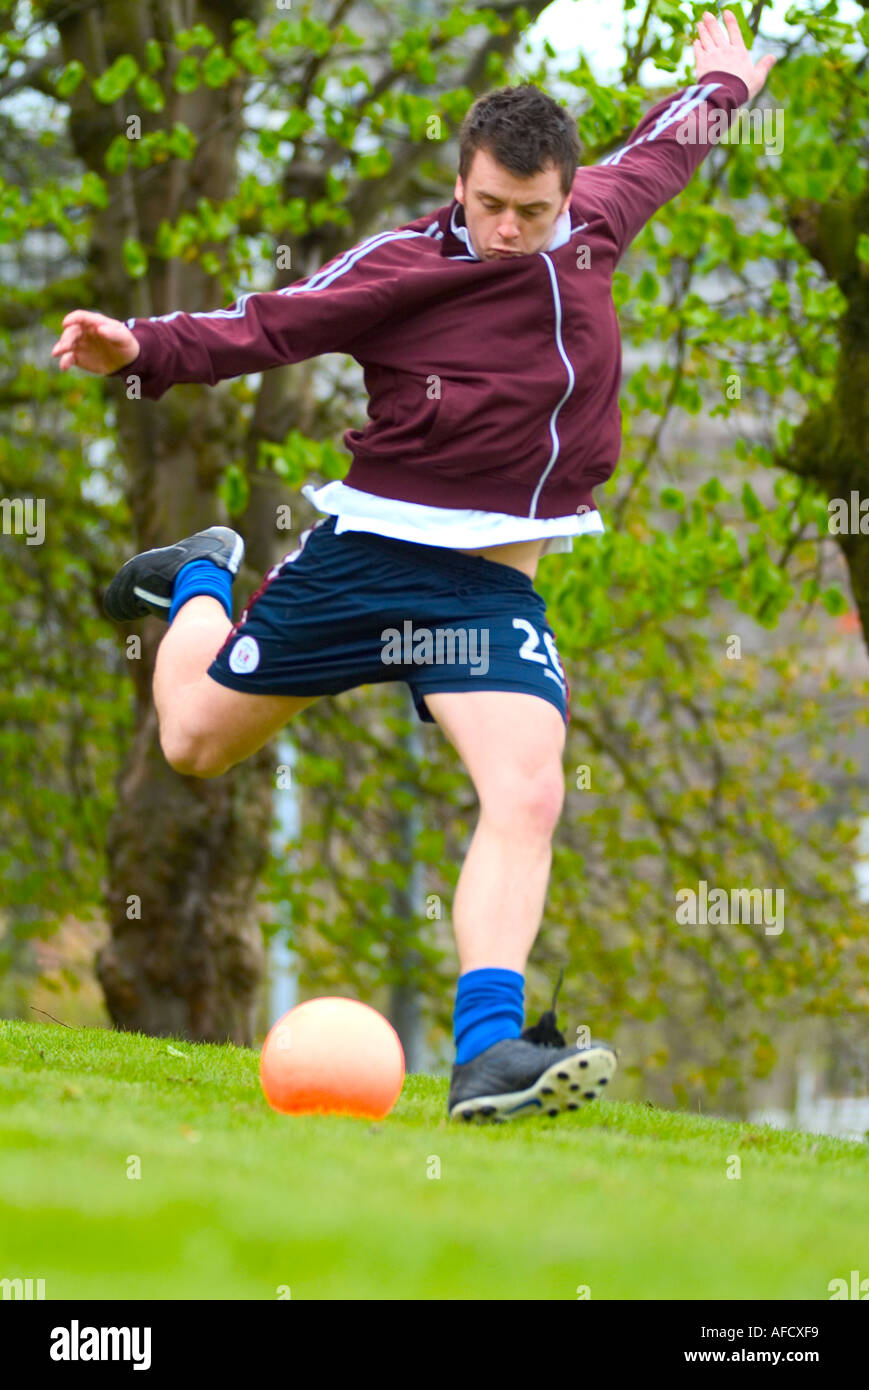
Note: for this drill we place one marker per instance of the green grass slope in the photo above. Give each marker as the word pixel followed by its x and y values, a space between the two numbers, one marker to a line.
pixel 236 1202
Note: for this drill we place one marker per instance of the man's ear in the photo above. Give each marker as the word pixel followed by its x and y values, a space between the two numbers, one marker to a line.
pixel 459 190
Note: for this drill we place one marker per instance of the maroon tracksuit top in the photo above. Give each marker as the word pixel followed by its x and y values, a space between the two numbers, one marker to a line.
pixel 492 384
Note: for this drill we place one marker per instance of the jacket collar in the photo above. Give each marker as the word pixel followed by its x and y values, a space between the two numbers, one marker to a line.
pixel 459 235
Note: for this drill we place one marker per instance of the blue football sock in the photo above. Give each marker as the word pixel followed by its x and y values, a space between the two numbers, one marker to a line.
pixel 489 1006
pixel 201 577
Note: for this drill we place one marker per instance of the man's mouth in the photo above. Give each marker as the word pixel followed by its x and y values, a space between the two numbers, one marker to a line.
pixel 498 252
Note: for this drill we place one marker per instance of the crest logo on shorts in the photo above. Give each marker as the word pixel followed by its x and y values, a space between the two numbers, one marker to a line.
pixel 244 656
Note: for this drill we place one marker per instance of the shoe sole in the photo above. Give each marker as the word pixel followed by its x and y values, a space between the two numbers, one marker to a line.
pixel 563 1086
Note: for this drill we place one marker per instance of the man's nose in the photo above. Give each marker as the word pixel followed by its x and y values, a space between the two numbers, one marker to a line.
pixel 507 229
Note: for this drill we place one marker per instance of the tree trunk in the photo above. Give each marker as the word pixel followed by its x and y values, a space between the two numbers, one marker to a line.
pixel 186 952
pixel 185 956
pixel 829 445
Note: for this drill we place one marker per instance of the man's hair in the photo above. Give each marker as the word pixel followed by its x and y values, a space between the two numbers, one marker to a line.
pixel 523 129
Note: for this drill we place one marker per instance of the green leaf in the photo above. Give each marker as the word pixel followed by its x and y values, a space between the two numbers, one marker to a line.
pixel 296 123
pixel 373 166
pixel 779 295
pixel 150 92
pixel 835 601
pixel 247 50
pixel 186 78
pixel 94 190
pixel 712 491
pixel 218 69
pixel 234 489
pixel 116 79
pixel 268 143
pixel 751 503
pixel 182 141
pixel 70 78
pixel 356 76
pixel 135 258
pixel 322 211
pixel 740 178
pixel 117 155
pixel 153 55
pixel 784 433
pixel 200 36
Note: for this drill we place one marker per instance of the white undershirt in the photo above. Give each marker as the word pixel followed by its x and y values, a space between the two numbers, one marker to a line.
pixel 457 528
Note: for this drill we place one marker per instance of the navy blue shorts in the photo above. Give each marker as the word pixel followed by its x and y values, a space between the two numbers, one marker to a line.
pixel 358 608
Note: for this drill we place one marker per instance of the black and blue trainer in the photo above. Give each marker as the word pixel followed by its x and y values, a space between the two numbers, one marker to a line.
pixel 534 1074
pixel 144 584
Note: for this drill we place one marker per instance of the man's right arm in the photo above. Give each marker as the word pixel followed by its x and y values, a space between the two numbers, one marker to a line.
pixel 324 313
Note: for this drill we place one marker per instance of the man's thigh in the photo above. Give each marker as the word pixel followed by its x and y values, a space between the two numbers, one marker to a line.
pixel 511 743
pixel 216 727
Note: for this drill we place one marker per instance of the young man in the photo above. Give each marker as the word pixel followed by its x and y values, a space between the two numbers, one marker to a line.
pixel 492 360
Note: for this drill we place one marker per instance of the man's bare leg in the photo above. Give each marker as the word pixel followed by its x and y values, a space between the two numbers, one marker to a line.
pixel 206 728
pixel 512 745
pixel 191 643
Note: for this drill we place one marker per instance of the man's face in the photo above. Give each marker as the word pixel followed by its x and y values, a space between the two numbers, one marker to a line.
pixel 506 215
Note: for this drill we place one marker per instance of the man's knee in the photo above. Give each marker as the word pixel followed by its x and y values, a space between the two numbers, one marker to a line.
pixel 531 801
pixel 191 756
pixel 543 799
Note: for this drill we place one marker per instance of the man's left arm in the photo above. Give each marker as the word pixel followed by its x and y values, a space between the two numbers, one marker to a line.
pixel 669 144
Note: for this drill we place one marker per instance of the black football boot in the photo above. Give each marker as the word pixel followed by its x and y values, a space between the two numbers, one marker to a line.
pixel 144 584
pixel 535 1074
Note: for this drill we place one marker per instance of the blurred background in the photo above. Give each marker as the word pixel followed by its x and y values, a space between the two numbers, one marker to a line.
pixel 176 155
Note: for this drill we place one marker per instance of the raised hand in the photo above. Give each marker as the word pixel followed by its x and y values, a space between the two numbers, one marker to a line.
pixel 95 343
pixel 717 51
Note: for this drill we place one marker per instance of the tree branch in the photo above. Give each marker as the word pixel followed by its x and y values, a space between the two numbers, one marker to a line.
pixel 32 74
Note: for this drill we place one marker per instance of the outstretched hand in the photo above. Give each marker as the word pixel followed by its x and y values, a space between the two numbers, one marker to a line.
pixel 94 342
pixel 717 51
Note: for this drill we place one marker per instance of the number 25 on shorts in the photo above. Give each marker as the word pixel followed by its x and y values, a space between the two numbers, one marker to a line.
pixel 530 649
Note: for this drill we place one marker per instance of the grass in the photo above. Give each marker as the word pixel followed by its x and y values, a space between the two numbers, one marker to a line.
pixel 237 1202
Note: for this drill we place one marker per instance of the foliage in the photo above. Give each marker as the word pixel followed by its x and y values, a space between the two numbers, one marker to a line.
pixel 702 767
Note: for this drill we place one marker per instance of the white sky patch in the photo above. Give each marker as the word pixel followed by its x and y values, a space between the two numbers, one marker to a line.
pixel 597 26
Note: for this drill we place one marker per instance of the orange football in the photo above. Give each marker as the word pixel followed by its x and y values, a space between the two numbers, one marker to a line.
pixel 332 1056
